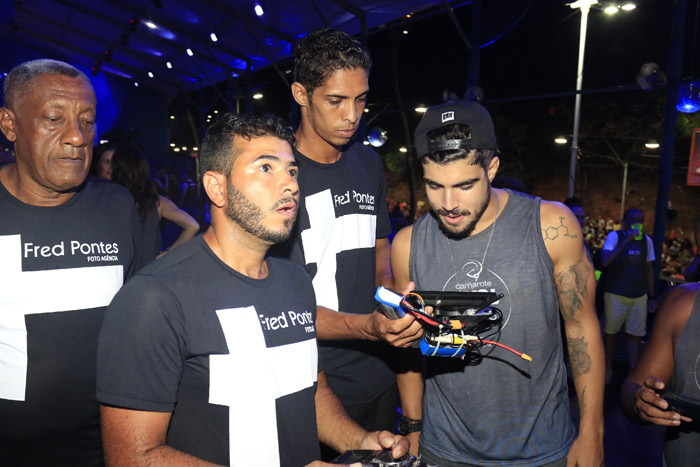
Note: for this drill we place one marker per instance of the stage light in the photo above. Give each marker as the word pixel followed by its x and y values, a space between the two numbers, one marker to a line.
pixel 652 144
pixel 259 9
pixel 421 109
pixel 403 149
pixel 184 148
pixel 216 111
pixel 150 74
pixel 257 96
pixel 377 137
pixel 176 149
pixel 611 10
pixel 213 37
pixel 628 6
pixel 190 53
pixel 195 148
pixel 136 84
pixel 689 98
pixel 366 110
pixel 365 142
pixel 561 140
pixel 172 117
pixel 172 145
pixel 405 32
pixel 169 65
pixel 150 24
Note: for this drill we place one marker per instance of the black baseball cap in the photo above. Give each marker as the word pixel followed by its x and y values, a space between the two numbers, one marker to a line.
pixel 462 111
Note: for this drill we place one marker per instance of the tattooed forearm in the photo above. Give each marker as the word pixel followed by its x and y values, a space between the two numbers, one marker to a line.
pixel 553 232
pixel 572 287
pixel 578 355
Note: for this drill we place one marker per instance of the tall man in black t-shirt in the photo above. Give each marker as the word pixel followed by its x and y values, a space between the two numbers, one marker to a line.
pixel 341 236
pixel 221 361
pixel 66 246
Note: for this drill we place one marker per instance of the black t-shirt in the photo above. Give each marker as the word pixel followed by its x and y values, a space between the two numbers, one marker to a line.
pixel 342 211
pixel 233 358
pixel 59 269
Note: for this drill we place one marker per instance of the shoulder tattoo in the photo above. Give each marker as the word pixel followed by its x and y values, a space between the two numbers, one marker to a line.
pixel 553 232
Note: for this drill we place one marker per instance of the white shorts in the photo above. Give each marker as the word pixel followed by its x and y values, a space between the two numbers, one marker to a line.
pixel 619 309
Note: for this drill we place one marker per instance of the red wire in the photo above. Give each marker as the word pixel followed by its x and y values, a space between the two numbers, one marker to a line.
pixel 519 354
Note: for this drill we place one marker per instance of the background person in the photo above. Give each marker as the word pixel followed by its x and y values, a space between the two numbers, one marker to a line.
pixel 130 169
pixel 627 256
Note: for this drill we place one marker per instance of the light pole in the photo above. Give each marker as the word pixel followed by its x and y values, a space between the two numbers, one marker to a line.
pixel 585 7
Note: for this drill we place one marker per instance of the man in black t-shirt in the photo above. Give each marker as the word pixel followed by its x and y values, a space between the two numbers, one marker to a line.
pixel 67 245
pixel 221 361
pixel 341 237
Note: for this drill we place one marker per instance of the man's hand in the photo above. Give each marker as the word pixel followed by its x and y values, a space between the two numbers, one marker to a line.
pixel 414 440
pixel 652 408
pixel 386 440
pixel 397 332
pixel 586 451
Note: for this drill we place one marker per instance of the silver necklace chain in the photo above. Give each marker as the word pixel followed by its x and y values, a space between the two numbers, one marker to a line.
pixel 488 244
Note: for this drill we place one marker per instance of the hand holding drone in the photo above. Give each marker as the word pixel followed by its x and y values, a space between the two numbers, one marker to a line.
pixel 458 320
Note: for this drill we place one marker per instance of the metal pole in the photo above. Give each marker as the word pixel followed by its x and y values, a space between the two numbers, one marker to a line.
pixel 625 165
pixel 585 7
pixel 675 71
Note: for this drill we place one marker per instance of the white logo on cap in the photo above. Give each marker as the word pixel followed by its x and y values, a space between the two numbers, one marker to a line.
pixel 447 116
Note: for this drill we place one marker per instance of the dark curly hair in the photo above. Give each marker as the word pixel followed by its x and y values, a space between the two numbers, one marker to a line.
pixel 218 148
pixel 322 53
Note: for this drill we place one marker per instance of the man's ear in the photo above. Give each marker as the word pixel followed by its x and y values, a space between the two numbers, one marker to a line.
pixel 300 95
pixel 493 167
pixel 214 185
pixel 8 124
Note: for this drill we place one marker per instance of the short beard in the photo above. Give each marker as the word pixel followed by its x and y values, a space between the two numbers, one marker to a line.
pixel 246 214
pixel 469 228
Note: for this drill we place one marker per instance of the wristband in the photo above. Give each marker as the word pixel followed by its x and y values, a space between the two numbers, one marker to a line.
pixel 409 425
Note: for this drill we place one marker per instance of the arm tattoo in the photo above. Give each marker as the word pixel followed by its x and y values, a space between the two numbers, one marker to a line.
pixel 553 232
pixel 578 355
pixel 572 286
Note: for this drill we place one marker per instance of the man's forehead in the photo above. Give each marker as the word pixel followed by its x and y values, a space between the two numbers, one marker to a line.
pixel 50 87
pixel 266 145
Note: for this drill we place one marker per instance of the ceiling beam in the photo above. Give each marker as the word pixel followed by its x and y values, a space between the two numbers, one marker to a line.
pixel 115 45
pixel 349 7
pixel 58 45
pixel 239 13
pixel 164 42
pixel 201 39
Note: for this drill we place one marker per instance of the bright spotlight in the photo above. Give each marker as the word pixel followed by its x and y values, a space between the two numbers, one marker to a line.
pixel 561 140
pixel 257 96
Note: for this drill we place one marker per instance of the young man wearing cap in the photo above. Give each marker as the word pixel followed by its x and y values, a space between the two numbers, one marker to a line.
pixel 341 235
pixel 494 408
